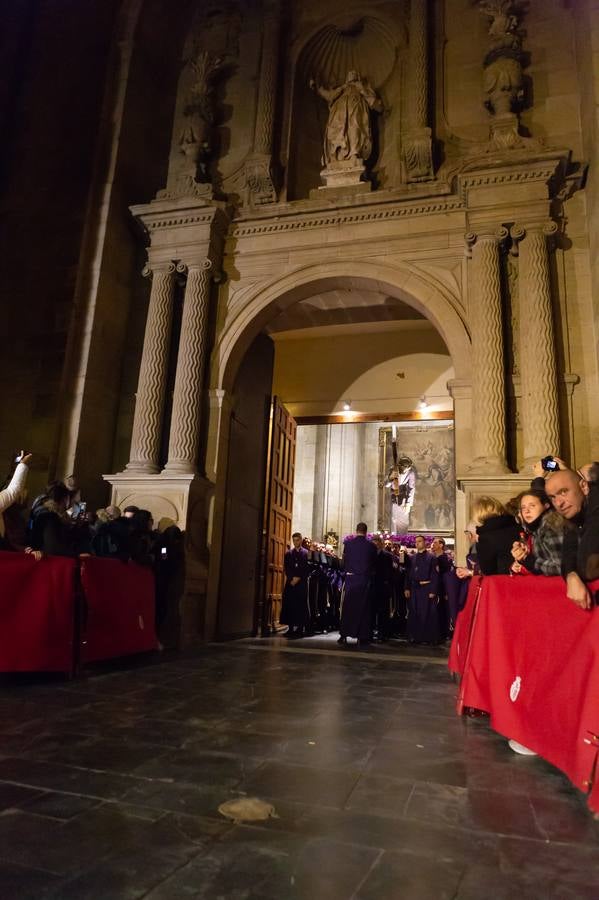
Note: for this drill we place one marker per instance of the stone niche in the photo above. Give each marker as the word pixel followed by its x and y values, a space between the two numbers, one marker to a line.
pixel 370 43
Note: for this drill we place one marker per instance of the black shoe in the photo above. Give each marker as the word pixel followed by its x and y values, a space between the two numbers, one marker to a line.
pixel 342 640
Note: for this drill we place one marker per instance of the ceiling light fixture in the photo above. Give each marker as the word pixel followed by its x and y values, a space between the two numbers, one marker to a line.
pixel 347 406
pixel 422 404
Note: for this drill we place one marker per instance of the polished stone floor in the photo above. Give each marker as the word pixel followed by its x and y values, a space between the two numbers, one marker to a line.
pixel 110 787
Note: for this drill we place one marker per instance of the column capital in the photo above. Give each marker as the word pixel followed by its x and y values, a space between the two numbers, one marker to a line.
pixel 151 268
pixel 497 234
pixel 519 230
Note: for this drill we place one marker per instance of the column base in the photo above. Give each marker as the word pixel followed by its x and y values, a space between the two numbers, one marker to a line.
pixel 489 465
pixel 179 467
pixel 139 467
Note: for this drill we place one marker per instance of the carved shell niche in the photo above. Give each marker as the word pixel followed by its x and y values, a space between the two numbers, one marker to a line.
pixel 364 44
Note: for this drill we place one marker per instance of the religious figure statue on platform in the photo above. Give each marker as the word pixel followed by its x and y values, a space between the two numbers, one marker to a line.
pixel 401 481
pixel 348 134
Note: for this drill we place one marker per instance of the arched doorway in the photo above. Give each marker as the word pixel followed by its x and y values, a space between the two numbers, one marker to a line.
pixel 306 310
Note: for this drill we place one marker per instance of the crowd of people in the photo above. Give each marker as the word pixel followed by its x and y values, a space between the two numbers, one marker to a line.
pixel 58 523
pixel 380 589
pixel 381 597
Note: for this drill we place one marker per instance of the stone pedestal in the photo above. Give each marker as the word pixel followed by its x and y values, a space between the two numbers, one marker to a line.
pixel 185 499
pixel 344 177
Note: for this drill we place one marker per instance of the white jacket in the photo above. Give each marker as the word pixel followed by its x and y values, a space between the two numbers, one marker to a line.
pixel 10 493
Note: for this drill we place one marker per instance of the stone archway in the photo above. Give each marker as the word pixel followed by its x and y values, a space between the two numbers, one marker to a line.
pixel 404 282
pixel 423 292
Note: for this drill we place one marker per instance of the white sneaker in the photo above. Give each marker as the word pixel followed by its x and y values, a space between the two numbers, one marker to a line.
pixel 521 749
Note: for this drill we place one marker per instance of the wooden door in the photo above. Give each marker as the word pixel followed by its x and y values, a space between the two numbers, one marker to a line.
pixel 278 511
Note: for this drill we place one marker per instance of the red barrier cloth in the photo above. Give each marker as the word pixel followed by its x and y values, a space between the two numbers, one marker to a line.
pixel 533 664
pixel 463 626
pixel 119 617
pixel 36 613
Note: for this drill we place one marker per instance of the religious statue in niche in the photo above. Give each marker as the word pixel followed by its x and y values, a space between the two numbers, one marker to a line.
pixel 348 135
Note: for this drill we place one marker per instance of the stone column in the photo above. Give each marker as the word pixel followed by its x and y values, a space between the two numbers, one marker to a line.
pixel 488 380
pixel 417 149
pixel 539 412
pixel 149 402
pixel 191 360
pixel 258 168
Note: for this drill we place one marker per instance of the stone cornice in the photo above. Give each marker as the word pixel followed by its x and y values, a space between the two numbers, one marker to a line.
pixel 356 215
pixel 164 214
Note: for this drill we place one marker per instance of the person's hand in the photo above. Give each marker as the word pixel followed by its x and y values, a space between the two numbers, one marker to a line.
pixel 577 591
pixel 37 554
pixel 406 595
pixel 431 596
pixel 538 471
pixel 463 572
pixel 84 555
pixel 519 551
pixel 516 568
pixel 311 84
pixel 25 457
pixel 295 580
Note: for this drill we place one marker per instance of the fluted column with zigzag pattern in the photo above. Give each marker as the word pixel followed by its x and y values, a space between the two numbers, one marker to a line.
pixel 539 411
pixel 151 386
pixel 191 359
pixel 488 382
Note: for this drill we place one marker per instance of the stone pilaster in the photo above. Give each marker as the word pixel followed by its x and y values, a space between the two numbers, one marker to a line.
pixel 149 402
pixel 539 412
pixel 258 168
pixel 191 360
pixel 417 148
pixel 488 384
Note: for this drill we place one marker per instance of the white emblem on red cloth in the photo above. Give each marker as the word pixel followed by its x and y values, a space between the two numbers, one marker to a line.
pixel 515 688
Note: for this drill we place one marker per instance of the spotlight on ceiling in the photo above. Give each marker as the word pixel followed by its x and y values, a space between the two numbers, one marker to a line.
pixel 347 406
pixel 422 404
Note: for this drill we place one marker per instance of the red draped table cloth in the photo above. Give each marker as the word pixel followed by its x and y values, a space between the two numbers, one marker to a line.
pixel 530 658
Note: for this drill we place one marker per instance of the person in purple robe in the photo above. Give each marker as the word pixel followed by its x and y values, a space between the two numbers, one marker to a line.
pixel 383 589
pixel 446 569
pixel 359 560
pixel 295 611
pixel 422 593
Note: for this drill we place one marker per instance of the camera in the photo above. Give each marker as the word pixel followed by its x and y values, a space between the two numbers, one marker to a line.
pixel 549 464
